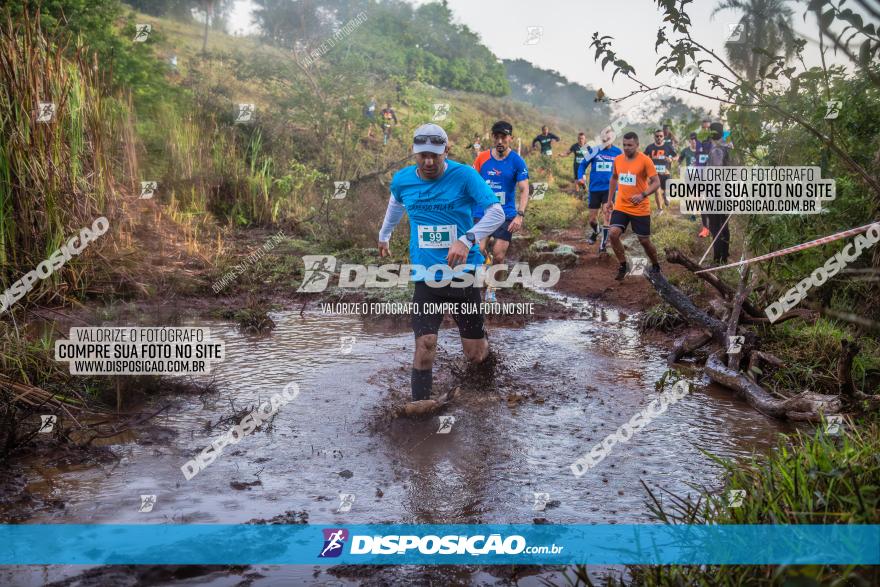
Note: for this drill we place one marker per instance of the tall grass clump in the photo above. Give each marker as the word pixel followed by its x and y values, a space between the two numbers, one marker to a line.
pixel 810 478
pixel 208 166
pixel 55 176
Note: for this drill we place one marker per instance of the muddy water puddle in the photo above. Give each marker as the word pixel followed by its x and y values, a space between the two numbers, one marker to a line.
pixel 559 388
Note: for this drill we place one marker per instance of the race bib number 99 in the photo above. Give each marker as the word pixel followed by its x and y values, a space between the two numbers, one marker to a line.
pixel 627 179
pixel 437 237
pixel 603 166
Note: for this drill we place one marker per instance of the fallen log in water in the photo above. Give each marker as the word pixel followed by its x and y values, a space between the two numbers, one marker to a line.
pixel 806 406
pixel 683 304
pixel 687 345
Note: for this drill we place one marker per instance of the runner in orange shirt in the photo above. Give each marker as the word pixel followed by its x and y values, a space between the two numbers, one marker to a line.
pixel 636 176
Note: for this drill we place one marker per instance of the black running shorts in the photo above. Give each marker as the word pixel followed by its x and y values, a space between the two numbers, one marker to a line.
pixel 663 178
pixel 501 233
pixel 641 224
pixel 597 198
pixel 462 302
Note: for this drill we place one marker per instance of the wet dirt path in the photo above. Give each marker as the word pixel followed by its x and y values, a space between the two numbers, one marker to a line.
pixel 560 387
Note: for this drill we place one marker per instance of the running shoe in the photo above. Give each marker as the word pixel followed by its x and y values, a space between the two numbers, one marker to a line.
pixel 622 271
pixel 592 238
pixel 704 232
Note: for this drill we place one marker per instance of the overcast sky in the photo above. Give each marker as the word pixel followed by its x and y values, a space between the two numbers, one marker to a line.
pixel 568 26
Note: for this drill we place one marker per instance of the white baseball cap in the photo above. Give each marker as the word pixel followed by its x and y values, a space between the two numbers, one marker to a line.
pixel 432 139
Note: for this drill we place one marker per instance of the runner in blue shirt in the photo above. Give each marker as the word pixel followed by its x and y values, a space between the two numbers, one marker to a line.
pixel 503 170
pixel 438 195
pixel 600 163
pixel 704 144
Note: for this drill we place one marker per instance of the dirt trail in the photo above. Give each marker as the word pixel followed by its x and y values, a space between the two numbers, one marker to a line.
pixel 593 276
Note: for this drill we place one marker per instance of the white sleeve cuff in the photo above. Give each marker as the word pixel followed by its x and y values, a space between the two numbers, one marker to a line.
pixel 393 214
pixel 489 223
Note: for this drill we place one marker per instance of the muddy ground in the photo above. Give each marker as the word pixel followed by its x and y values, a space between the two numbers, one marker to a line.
pixel 562 378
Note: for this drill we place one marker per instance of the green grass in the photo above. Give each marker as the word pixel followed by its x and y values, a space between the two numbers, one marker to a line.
pixel 671 230
pixel 56 177
pixel 810 478
pixel 29 360
pixel 810 353
pixel 661 317
pixel 555 211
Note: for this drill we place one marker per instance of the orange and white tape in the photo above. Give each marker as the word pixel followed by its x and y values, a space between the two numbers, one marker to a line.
pixel 801 247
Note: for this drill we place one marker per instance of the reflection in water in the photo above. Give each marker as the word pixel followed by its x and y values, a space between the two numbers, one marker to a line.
pixel 590 375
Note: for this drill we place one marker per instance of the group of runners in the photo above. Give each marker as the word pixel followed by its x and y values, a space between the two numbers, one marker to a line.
pixel 458 213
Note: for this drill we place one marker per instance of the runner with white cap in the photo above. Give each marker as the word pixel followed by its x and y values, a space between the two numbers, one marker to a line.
pixel 438 196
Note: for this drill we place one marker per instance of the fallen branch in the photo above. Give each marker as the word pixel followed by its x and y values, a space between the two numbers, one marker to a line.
pixel 847 387
pixel 679 258
pixel 806 315
pixel 687 345
pixel 33 396
pixel 807 406
pixel 845 384
pixel 752 315
pixel 132 423
pixel 742 292
pixel 853 318
pixel 686 308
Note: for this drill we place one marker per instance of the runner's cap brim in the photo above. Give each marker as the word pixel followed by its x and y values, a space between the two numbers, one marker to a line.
pixel 429 148
pixel 431 130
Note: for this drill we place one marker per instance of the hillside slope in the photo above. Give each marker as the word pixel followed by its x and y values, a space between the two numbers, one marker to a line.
pixel 309 130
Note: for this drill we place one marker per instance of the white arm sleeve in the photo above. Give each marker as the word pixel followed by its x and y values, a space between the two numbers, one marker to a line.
pixel 393 214
pixel 489 223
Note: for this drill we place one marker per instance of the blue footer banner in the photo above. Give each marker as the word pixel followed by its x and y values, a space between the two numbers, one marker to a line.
pixel 489 544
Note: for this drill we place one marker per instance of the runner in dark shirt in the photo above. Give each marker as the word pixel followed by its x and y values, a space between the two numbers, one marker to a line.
pixel 579 151
pixel 545 139
pixel 688 158
pixel 719 156
pixel 662 154
pixel 689 154
pixel 704 145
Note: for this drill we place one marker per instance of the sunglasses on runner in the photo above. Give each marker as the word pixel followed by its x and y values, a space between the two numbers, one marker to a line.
pixel 424 139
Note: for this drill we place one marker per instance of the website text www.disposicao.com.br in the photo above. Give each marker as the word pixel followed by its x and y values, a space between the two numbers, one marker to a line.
pixel 393 544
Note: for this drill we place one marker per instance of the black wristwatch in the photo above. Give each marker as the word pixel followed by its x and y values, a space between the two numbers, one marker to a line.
pixel 471 237
pixel 518 213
